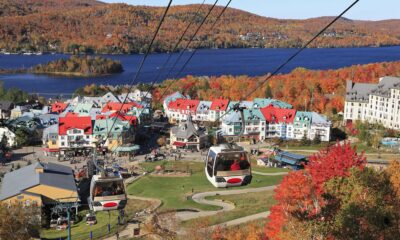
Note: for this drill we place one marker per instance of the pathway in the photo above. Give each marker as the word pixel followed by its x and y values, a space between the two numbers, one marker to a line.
pixel 269 174
pixel 201 199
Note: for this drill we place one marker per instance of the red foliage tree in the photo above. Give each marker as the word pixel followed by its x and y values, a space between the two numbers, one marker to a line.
pixel 300 196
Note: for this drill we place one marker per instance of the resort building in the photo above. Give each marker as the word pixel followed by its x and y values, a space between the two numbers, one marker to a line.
pixel 263 118
pixel 374 103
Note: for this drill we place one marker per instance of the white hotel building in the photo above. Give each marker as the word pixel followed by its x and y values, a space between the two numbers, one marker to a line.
pixel 374 103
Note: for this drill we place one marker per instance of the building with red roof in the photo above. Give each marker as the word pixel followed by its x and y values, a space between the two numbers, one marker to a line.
pixel 75 134
pixel 116 106
pixel 279 121
pixel 180 109
pixel 278 115
pixel 58 107
pixel 218 108
pixel 219 104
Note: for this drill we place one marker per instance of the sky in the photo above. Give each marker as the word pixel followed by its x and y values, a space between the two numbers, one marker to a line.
pixel 298 9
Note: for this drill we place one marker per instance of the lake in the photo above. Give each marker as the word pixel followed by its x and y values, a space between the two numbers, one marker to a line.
pixel 210 62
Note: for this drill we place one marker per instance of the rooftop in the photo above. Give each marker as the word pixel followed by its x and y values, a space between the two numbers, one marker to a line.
pixel 53 175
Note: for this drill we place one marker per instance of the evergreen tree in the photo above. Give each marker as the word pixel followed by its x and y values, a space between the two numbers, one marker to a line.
pixel 304 140
pixel 317 139
pixel 268 92
pixel 4 143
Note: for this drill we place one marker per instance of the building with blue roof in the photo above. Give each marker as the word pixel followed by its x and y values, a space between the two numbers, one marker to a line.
pixel 301 124
pixel 320 127
pixel 264 102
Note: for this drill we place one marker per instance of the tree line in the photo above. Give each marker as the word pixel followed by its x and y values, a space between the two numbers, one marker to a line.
pixel 316 90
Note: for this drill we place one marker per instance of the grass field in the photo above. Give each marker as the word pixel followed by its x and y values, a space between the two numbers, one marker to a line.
pixel 245 205
pixel 254 167
pixel 81 231
pixel 173 191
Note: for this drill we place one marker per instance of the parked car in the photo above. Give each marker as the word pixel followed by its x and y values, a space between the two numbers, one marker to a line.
pixel 153 158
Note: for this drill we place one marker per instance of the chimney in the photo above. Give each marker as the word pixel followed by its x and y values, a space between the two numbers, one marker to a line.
pixel 39 168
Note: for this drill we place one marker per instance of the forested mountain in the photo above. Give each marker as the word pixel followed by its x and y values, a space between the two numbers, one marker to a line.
pixel 92 26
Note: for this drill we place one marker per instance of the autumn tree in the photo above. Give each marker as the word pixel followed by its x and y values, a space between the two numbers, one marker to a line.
pixel 302 205
pixel 19 222
pixel 394 173
pixel 161 141
pixel 362 206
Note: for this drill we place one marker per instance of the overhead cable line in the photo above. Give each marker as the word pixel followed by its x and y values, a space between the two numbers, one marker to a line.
pixel 194 51
pixel 190 41
pixel 280 67
pixel 141 64
pixel 172 51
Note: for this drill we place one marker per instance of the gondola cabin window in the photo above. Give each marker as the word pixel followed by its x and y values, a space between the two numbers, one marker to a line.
pixel 210 162
pixel 103 189
pixel 231 162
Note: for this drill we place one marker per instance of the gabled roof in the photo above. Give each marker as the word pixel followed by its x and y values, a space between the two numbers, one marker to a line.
pixel 253 114
pixel 278 115
pixel 6 105
pixel 232 117
pixel 204 106
pixel 245 104
pixel 58 107
pixel 48 117
pixel 117 106
pixel 109 97
pixel 53 129
pixel 83 109
pixel 318 119
pixel 173 97
pixel 54 175
pixel 263 102
pixel 360 91
pixel 186 130
pixel 220 104
pixel 303 117
pixel 66 123
pixel 184 104
pixel 103 126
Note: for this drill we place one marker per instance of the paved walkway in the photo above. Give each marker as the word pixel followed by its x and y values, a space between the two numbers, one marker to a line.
pixel 269 174
pixel 200 198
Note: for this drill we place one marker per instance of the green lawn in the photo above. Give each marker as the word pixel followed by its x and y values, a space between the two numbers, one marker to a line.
pixel 245 205
pixel 257 168
pixel 173 191
pixel 82 231
pixel 268 169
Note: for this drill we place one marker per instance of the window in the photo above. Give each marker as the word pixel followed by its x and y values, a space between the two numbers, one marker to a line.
pixel 110 188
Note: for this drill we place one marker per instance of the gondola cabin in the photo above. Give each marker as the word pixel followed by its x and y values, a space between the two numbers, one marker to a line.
pixel 228 165
pixel 107 193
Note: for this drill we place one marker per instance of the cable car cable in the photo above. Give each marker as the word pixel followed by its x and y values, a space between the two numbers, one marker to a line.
pixel 237 105
pixel 142 63
pixel 195 50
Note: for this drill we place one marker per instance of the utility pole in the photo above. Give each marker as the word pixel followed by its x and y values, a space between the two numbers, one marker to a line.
pixel 69 223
